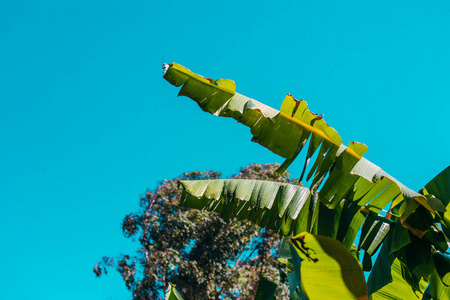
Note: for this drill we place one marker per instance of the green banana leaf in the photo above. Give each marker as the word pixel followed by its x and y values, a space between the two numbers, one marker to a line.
pixel 285 132
pixel 373 233
pixel 417 261
pixel 442 263
pixel 397 288
pixel 439 186
pixel 343 174
pixel 172 293
pixel 266 289
pixel 285 207
pixel 437 289
pixel 275 205
pixel 326 269
pixel 375 229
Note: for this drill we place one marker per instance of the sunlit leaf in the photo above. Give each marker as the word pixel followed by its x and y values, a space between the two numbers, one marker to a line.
pixel 172 293
pixel 353 189
pixel 437 289
pixel 373 232
pixel 439 186
pixel 256 200
pixel 442 263
pixel 327 269
pixel 397 288
pixel 285 133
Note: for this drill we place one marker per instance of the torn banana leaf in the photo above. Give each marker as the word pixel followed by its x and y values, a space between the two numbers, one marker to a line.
pixel 354 190
pixel 380 275
pixel 172 293
pixel 365 198
pixel 375 229
pixel 439 187
pixel 437 289
pixel 397 288
pixel 327 270
pixel 442 263
pixel 286 132
pixel 275 205
pixel 422 222
pixel 417 264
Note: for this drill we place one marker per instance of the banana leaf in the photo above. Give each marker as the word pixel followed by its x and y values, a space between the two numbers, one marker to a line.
pixel 285 133
pixel 437 289
pixel 353 189
pixel 266 289
pixel 275 205
pixel 172 293
pixel 439 187
pixel 327 269
pixel 397 288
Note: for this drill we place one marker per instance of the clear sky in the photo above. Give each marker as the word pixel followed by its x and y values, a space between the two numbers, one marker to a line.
pixel 87 123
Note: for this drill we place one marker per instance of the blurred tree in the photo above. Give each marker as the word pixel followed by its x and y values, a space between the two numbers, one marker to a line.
pixel 205 256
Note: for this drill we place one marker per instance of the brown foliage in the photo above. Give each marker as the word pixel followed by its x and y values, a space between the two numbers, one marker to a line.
pixel 205 256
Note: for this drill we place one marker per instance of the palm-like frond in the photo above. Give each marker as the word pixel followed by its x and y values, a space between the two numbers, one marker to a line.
pixel 275 205
pixel 353 190
pixel 172 293
pixel 286 132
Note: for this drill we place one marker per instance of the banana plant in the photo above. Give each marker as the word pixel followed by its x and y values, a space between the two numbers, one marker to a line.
pixel 172 293
pixel 353 191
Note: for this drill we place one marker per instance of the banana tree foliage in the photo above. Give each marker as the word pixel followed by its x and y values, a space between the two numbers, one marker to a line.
pixel 324 267
pixel 172 293
pixel 413 236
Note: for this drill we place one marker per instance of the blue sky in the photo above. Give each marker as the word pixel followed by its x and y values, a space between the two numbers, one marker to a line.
pixel 87 123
